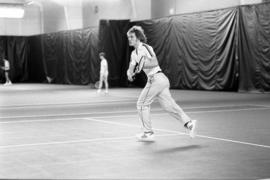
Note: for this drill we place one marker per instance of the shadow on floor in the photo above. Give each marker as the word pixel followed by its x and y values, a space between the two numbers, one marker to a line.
pixel 178 149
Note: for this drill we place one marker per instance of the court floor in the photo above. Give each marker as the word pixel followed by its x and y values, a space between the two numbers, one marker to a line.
pixel 71 132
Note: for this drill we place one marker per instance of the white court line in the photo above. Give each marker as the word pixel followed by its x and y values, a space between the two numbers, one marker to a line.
pixel 159 114
pixel 181 133
pixel 258 105
pixel 122 138
pixel 68 114
pixel 67 104
pixel 95 103
pixel 41 120
pixel 191 112
pixel 117 112
pixel 92 103
pixel 228 110
pixel 77 141
pixel 123 101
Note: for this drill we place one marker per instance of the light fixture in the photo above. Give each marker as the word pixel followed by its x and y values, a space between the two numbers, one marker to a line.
pixel 11 11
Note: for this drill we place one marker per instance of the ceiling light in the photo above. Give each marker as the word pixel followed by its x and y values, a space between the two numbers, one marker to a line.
pixel 11 11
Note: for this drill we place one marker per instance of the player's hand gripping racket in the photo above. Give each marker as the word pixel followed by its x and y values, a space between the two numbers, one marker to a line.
pixel 138 67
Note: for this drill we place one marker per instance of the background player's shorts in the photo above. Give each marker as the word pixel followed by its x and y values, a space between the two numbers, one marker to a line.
pixel 103 75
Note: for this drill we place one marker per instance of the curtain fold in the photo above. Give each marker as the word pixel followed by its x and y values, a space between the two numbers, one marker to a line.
pixel 226 49
pixel 113 41
pixel 196 51
pixel 16 50
pixel 254 47
pixel 71 57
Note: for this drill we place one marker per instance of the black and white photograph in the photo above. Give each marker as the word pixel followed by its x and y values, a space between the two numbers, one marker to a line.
pixel 135 89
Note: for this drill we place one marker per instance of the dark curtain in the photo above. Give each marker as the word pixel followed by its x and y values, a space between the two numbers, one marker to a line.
pixel 227 49
pixel 113 41
pixel 16 50
pixel 81 56
pixel 2 55
pixel 254 47
pixel 52 53
pixel 198 50
pixel 36 68
pixel 71 57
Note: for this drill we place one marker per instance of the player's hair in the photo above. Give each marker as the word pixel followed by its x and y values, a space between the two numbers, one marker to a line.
pixel 102 54
pixel 139 33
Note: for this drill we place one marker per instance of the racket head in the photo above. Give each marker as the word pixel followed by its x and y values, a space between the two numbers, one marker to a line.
pixel 97 84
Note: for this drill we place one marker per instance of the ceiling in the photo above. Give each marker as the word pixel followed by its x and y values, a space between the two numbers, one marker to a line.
pixel 44 2
pixel 13 1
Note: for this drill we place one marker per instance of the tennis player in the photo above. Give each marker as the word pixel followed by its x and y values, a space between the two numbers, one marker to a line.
pixel 6 69
pixel 104 72
pixel 143 58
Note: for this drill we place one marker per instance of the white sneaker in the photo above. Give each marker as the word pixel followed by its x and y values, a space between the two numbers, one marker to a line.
pixel 191 126
pixel 106 91
pixel 146 137
pixel 98 91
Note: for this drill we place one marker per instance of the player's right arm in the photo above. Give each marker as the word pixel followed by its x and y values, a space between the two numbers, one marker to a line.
pixel 131 68
pixel 2 67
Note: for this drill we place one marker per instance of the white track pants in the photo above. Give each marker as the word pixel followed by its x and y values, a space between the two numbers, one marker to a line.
pixel 158 87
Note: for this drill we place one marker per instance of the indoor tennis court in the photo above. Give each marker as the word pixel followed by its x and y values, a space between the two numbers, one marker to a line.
pixel 116 89
pixel 71 132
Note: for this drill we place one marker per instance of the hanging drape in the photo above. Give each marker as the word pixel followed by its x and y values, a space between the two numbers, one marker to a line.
pixel 226 49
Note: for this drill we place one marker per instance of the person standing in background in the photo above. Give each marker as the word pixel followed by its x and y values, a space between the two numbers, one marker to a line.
pixel 104 72
pixel 6 69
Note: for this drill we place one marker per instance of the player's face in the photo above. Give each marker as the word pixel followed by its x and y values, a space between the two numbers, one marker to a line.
pixel 132 39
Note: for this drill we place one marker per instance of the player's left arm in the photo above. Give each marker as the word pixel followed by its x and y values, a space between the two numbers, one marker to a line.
pixel 150 62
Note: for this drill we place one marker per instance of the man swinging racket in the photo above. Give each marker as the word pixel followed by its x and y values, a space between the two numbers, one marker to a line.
pixel 143 58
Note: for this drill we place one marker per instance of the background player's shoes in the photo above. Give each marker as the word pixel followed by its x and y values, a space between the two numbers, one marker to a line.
pixel 146 137
pixel 191 126
pixel 8 83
